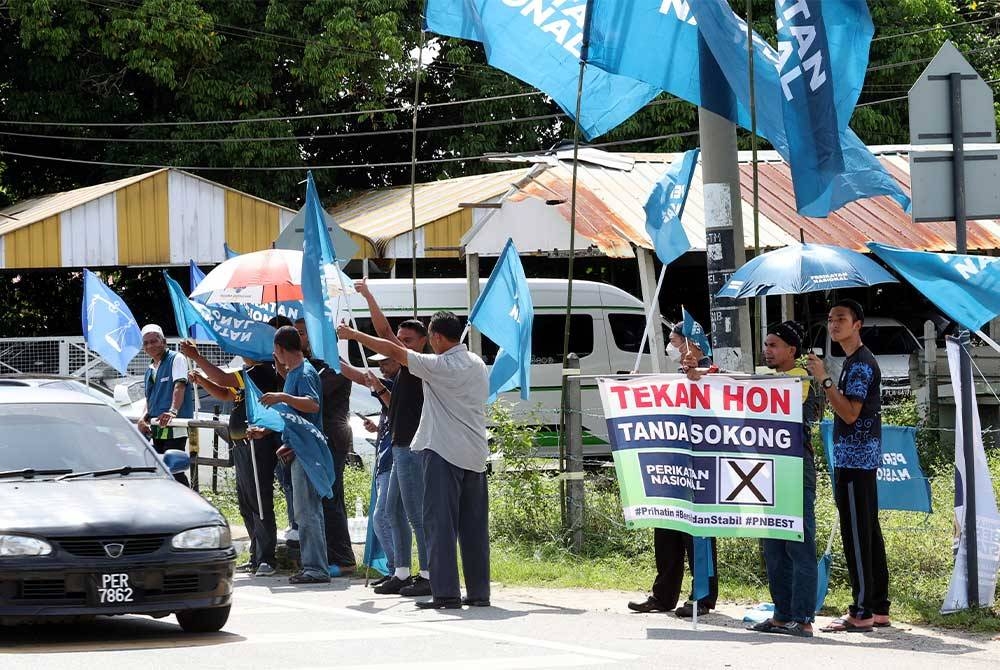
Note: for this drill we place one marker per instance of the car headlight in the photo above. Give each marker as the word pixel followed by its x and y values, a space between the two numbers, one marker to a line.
pixel 22 545
pixel 208 537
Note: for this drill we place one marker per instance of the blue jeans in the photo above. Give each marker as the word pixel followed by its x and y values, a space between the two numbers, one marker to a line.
pixel 791 566
pixel 309 516
pixel 382 518
pixel 283 473
pixel 405 499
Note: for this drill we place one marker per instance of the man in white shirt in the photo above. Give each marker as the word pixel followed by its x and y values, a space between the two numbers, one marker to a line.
pixel 452 441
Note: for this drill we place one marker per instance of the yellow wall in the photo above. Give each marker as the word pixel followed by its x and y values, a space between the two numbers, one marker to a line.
pixel 367 249
pixel 251 224
pixel 447 232
pixel 34 246
pixel 143 222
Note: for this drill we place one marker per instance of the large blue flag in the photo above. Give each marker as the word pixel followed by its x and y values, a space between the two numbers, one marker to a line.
pixel 694 332
pixel 108 325
pixel 902 484
pixel 196 276
pixel 540 44
pixel 965 287
pixel 665 208
pixel 374 557
pixel 318 260
pixel 298 433
pixel 504 313
pixel 806 89
pixel 232 330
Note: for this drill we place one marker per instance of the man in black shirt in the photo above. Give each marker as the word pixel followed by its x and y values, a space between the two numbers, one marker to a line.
pixel 406 482
pixel 336 407
pixel 254 462
pixel 856 401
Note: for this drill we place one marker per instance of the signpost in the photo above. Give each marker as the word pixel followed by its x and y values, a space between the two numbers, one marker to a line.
pixel 950 103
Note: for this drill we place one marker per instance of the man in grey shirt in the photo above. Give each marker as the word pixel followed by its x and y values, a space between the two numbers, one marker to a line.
pixel 451 440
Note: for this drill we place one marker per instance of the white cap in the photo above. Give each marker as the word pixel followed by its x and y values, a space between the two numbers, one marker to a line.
pixel 153 328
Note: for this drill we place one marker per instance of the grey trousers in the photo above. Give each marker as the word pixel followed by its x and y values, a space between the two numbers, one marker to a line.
pixel 456 509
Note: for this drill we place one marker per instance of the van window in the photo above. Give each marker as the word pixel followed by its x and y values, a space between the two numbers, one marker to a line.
pixel 888 340
pixel 627 331
pixel 365 326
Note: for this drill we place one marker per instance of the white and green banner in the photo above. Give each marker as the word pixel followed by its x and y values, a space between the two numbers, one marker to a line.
pixel 717 457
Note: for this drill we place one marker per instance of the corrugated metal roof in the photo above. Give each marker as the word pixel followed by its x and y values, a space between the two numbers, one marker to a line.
pixel 26 212
pixel 385 214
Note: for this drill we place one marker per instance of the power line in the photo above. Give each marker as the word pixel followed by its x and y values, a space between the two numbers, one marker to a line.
pixel 935 28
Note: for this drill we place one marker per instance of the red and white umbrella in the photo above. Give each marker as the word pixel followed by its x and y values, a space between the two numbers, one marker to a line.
pixel 272 275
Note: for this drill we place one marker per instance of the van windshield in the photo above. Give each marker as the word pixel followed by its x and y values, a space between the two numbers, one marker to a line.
pixel 888 340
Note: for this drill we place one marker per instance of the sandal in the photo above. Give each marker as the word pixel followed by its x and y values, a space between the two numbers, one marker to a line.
pixel 843 625
pixel 793 628
pixel 766 626
pixel 882 621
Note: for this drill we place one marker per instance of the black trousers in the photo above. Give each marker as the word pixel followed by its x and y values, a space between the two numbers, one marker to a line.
pixel 179 443
pixel 338 536
pixel 856 493
pixel 670 548
pixel 260 523
pixel 456 507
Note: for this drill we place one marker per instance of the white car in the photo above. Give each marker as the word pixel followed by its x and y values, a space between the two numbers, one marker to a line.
pixel 891 342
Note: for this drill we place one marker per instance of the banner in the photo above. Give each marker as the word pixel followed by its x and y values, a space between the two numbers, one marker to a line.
pixel 718 457
pixel 987 517
pixel 902 484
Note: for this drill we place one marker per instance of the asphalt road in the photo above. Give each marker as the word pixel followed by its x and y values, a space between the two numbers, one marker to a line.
pixel 345 626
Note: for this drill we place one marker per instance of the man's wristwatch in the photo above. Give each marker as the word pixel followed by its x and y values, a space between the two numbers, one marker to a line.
pixel 172 412
pixel 827 383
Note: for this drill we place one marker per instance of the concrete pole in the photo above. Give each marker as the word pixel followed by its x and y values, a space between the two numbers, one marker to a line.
pixel 730 319
pixel 574 503
pixel 472 286
pixel 647 280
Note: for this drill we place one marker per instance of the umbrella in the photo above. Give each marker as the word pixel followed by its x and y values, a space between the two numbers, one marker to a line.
pixel 272 275
pixel 803 268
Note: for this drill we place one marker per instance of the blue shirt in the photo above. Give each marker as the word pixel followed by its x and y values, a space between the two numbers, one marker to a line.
pixel 859 445
pixel 303 381
pixel 383 439
pixel 159 387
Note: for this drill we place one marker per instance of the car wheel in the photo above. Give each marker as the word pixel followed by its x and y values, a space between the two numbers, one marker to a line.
pixel 207 620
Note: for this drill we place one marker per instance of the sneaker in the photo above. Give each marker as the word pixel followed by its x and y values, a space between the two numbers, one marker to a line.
pixel 380 581
pixel 246 567
pixel 265 570
pixel 418 587
pixel 392 586
pixel 292 536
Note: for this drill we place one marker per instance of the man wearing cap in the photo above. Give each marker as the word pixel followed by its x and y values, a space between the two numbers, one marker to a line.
pixel 791 566
pixel 168 395
pixel 856 401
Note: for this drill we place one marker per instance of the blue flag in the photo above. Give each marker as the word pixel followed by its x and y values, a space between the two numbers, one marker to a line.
pixel 232 330
pixel 666 206
pixel 198 332
pixel 318 260
pixel 806 89
pixel 108 325
pixel 703 568
pixel 229 251
pixel 902 484
pixel 374 557
pixel 965 287
pixel 504 313
pixel 257 414
pixel 540 44
pixel 694 332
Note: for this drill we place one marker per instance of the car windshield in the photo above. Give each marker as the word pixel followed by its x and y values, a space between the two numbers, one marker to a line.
pixel 76 437
pixel 886 340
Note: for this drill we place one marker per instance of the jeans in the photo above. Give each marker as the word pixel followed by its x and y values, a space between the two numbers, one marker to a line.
pixel 283 473
pixel 338 537
pixel 382 518
pixel 405 500
pixel 309 516
pixel 456 507
pixel 791 566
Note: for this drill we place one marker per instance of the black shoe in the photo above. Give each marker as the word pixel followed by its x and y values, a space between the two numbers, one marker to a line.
pixel 303 578
pixel 392 586
pixel 650 604
pixel 419 587
pixel 440 604
pixel 247 567
pixel 686 611
pixel 380 581
pixel 476 603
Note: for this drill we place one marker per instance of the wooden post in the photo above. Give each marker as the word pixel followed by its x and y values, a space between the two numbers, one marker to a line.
pixel 472 284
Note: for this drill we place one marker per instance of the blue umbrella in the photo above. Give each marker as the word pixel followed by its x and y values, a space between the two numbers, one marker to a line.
pixel 803 268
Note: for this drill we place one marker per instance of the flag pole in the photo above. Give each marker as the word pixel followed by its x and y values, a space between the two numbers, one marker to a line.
pixel 413 157
pixel 649 319
pixel 762 301
pixel 584 48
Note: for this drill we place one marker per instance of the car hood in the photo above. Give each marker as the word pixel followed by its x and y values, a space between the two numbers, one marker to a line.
pixel 120 506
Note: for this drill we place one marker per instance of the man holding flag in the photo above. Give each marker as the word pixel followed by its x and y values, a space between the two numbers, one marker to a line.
pixel 168 395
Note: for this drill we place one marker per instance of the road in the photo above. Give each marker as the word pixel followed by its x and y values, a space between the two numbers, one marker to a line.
pixel 345 626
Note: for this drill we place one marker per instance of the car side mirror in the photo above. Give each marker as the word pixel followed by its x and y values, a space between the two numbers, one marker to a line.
pixel 176 461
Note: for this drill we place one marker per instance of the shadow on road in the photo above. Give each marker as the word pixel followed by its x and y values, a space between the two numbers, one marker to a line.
pixel 131 633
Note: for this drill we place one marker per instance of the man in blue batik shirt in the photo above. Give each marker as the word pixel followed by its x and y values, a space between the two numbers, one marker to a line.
pixel 856 401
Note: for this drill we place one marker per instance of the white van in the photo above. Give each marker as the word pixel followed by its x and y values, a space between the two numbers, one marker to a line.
pixel 605 331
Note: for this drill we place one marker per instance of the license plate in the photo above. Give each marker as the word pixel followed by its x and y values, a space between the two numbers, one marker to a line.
pixel 113 589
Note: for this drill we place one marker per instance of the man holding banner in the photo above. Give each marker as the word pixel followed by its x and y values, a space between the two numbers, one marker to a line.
pixel 856 401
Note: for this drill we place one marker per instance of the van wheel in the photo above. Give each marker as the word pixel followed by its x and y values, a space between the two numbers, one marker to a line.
pixel 207 620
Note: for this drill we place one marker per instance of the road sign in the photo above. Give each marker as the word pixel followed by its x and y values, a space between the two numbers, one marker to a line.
pixel 949 85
